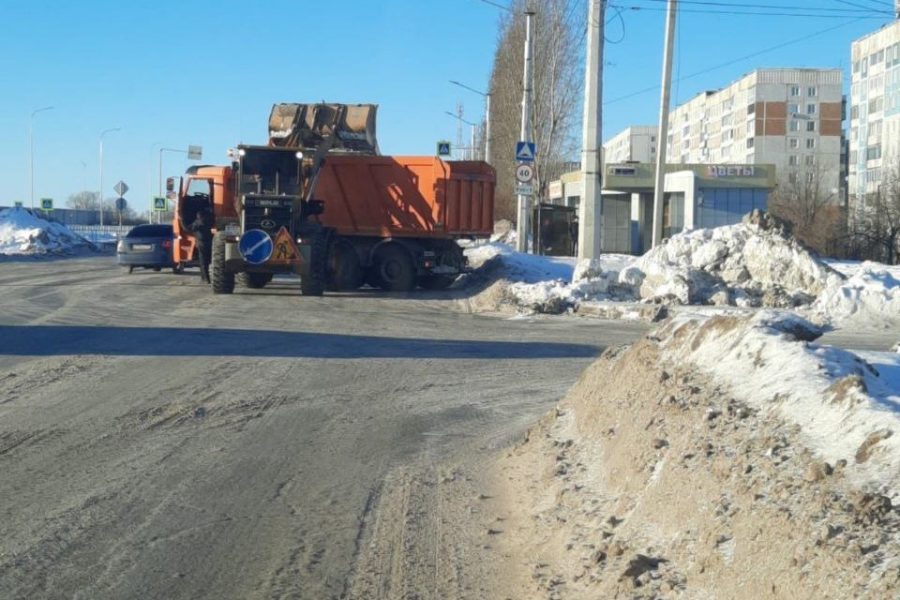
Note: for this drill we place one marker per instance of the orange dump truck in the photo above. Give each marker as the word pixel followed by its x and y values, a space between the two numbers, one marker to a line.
pixel 339 219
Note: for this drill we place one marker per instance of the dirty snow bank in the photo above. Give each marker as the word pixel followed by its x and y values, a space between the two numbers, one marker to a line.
pixel 22 232
pixel 718 457
pixel 869 298
pixel 846 408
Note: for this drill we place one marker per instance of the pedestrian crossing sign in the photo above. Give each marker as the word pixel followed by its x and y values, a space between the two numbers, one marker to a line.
pixel 159 203
pixel 525 151
pixel 285 251
pixel 443 148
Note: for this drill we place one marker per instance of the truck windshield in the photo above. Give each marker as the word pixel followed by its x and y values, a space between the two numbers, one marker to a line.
pixel 269 172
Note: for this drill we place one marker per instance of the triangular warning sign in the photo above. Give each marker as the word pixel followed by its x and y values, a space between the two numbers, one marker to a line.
pixel 285 251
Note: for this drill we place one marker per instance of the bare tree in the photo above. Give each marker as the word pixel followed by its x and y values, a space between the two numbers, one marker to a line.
pixel 875 224
pixel 815 211
pixel 558 34
pixel 84 200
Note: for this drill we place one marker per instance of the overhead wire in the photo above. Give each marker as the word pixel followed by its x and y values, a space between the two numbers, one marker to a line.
pixel 781 7
pixel 637 8
pixel 737 60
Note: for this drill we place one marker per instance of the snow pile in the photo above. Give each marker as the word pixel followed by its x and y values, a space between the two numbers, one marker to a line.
pixel 751 264
pixel 848 409
pixel 546 283
pixel 870 297
pixel 22 232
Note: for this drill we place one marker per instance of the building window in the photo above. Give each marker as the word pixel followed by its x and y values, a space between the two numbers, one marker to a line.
pixel 749 142
pixel 810 177
pixel 811 143
pixel 856 66
pixel 793 160
pixel 794 90
pixel 810 125
pixel 793 108
pixel 873 152
pixel 795 125
pixel 810 109
pixel 793 142
pixel 792 177
pixel 811 91
pixel 854 111
pixel 751 109
pixel 810 160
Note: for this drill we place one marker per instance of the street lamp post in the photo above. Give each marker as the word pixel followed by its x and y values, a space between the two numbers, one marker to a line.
pixel 31 153
pixel 487 118
pixel 470 123
pixel 103 133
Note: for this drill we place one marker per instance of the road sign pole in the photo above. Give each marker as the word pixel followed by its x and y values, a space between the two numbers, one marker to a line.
pixel 523 200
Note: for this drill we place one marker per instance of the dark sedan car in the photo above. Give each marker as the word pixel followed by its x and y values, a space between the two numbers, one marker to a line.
pixel 147 246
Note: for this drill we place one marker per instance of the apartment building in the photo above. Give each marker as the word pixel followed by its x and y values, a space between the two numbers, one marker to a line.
pixel 790 118
pixel 874 111
pixel 633 144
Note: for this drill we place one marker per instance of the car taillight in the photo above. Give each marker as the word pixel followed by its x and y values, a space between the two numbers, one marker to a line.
pixel 167 244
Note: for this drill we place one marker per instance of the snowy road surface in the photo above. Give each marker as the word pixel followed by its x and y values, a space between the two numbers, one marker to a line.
pixel 157 441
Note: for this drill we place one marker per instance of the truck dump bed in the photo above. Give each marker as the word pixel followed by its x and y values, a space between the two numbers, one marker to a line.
pixel 407 196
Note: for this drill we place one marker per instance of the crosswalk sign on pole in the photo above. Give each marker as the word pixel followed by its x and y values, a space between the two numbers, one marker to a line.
pixel 525 151
pixel 443 148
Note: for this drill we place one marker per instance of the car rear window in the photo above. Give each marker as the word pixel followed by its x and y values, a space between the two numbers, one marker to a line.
pixel 150 231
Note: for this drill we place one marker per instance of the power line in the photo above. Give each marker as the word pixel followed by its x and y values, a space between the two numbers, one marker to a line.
pixel 755 13
pixel 739 59
pixel 857 5
pixel 497 5
pixel 853 12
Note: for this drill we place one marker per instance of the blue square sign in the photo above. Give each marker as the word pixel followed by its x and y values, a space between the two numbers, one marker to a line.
pixel 525 151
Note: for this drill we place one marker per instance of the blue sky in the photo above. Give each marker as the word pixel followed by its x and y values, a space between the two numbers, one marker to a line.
pixel 207 72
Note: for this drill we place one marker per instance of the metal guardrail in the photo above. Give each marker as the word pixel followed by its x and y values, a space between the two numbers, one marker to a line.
pixel 101 234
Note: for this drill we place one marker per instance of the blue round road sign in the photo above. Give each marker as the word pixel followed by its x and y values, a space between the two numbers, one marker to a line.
pixel 256 246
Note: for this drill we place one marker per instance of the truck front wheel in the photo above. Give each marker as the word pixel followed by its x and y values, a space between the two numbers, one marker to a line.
pixel 313 282
pixel 222 279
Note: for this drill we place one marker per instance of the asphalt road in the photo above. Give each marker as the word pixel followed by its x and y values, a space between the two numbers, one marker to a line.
pixel 157 441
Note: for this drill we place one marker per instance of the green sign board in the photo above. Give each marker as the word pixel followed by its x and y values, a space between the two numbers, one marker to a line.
pixel 159 203
pixel 46 203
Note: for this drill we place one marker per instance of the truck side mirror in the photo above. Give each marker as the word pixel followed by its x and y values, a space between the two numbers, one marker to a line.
pixel 170 184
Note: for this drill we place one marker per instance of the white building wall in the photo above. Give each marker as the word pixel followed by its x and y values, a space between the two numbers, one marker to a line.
pixel 874 130
pixel 633 144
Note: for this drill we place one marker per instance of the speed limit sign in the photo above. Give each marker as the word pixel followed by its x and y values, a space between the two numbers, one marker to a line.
pixel 524 173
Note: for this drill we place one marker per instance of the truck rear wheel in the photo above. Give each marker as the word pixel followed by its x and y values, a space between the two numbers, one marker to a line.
pixel 222 279
pixel 254 281
pixel 313 282
pixel 394 269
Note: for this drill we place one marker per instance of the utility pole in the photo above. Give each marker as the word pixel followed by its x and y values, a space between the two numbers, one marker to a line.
pixel 525 136
pixel 31 152
pixel 589 209
pixel 103 133
pixel 663 131
pixel 459 133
